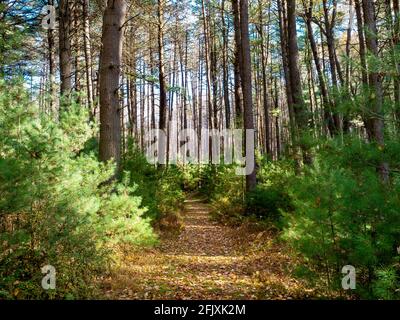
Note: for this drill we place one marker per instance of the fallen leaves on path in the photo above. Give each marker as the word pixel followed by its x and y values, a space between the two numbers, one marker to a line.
pixel 207 260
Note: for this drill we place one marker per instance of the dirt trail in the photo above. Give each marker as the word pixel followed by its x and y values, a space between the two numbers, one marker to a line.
pixel 205 261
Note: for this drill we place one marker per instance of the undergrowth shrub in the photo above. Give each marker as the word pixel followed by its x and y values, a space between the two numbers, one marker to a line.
pixel 55 207
pixel 345 216
pixel 170 195
pixel 271 195
pixel 334 213
pixel 191 175
pixel 143 175
pixel 160 189
pixel 224 189
pixel 267 203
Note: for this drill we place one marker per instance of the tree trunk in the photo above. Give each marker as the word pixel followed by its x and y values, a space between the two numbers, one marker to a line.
pixel 88 56
pixel 225 68
pixel 330 40
pixel 76 32
pixel 285 63
pixel 294 70
pixel 299 106
pixel 324 92
pixel 52 65
pixel 237 61
pixel 346 118
pixel 363 61
pixel 264 82
pixel 251 179
pixel 162 152
pixel 396 42
pixel 110 70
pixel 375 81
pixel 65 48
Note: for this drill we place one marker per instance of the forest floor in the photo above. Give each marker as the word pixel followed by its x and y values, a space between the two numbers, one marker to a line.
pixel 207 260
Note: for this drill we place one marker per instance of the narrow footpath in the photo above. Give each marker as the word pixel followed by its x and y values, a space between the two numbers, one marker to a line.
pixel 207 260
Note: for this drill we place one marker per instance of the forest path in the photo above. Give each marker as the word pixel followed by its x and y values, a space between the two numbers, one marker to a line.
pixel 207 260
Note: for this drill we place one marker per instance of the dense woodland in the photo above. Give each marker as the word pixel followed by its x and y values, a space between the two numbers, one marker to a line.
pixel 83 82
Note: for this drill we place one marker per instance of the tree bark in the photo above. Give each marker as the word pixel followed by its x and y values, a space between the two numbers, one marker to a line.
pixel 76 32
pixel 110 70
pixel 285 64
pixel 375 81
pixel 396 42
pixel 162 152
pixel 330 40
pixel 251 179
pixel 294 70
pixel 324 92
pixel 88 56
pixel 264 82
pixel 361 40
pixel 225 68
pixel 299 106
pixel 237 61
pixel 65 48
pixel 52 64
